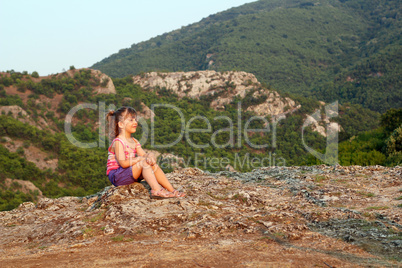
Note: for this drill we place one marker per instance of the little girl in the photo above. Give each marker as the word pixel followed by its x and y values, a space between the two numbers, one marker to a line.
pixel 128 163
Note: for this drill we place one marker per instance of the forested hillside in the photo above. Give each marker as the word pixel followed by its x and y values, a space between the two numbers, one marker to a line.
pixel 329 50
pixel 37 109
pixel 37 133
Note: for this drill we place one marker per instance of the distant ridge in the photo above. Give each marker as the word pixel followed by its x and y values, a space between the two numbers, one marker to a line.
pixel 328 50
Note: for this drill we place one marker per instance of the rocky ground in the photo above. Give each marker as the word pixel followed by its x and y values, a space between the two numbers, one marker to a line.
pixel 272 217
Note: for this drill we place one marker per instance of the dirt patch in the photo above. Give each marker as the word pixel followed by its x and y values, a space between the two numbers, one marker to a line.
pixel 26 187
pixel 33 154
pixel 238 250
pixel 12 90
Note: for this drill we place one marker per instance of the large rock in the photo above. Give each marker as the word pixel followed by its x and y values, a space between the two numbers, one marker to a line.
pixel 224 86
pixel 106 83
pixel 276 206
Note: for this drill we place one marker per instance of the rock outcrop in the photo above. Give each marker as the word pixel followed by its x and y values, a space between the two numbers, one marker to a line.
pixel 310 214
pixel 223 87
pixel 18 113
pixel 106 83
pixel 321 123
pixel 320 127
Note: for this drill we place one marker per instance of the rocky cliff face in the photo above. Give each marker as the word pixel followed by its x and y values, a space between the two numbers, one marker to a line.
pixel 223 87
pixel 106 86
pixel 334 216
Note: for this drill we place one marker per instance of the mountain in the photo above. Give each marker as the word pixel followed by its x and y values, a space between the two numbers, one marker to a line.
pixel 328 50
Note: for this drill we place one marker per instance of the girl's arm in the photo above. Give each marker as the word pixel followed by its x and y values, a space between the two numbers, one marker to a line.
pixel 121 157
pixel 140 151
pixel 150 157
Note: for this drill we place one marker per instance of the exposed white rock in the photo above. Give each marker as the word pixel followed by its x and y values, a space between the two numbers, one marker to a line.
pixel 109 88
pixel 225 86
pixel 324 127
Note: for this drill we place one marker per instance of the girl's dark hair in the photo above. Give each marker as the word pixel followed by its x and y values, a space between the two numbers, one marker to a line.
pixel 114 117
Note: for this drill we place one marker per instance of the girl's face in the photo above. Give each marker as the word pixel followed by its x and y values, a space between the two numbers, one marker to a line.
pixel 129 124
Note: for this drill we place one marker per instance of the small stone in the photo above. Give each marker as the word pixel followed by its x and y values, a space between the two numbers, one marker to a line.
pixel 44 203
pixel 267 224
pixel 92 200
pixel 192 235
pixel 108 230
pixel 26 206
pixel 79 245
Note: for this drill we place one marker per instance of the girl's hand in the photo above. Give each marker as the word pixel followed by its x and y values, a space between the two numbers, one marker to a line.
pixel 150 159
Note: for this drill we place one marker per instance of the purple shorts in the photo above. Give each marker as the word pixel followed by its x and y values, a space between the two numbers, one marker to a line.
pixel 122 176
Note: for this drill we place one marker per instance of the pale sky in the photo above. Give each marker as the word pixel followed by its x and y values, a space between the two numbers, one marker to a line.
pixel 49 36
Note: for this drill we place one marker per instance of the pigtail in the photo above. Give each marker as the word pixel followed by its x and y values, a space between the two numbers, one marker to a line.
pixel 110 115
pixel 113 127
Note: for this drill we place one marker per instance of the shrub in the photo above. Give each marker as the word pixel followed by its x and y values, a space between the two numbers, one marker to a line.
pixel 20 151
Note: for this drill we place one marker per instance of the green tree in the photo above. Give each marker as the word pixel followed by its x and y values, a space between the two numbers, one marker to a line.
pixel 35 74
pixel 391 120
